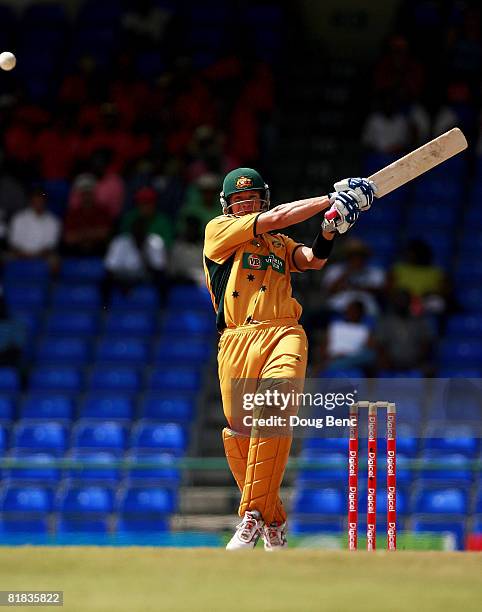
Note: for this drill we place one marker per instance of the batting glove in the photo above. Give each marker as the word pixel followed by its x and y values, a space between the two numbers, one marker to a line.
pixel 343 213
pixel 364 189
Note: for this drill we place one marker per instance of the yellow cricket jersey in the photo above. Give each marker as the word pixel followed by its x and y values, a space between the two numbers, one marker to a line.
pixel 248 275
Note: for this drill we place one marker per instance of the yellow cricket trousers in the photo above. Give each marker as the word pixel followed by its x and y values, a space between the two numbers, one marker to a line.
pixel 259 352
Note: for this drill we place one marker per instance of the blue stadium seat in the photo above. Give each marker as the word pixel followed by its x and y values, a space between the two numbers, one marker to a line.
pixel 431 214
pixel 469 326
pixel 57 189
pixel 301 526
pixel 26 499
pixel 115 378
pixel 94 466
pixel 334 468
pixel 402 501
pixel 455 371
pixel 55 378
pixel 175 379
pixel 456 439
pixel 28 319
pixel 167 407
pixel 25 270
pixel 408 442
pixel 74 351
pixel 107 406
pixel 9 380
pixel 186 297
pixel 461 352
pixel 145 297
pixel 169 437
pixel 455 529
pixel 3 439
pixel 189 322
pixel 127 524
pixel 471 298
pixel 467 271
pixel 76 296
pixel 454 468
pixel 82 270
pixel 25 296
pixel 81 500
pixel 70 525
pixel 106 435
pixel 7 407
pixel 441 501
pixel 41 468
pixel 183 352
pixel 326 445
pixel 75 323
pixel 131 323
pixel 328 501
pixel 24 526
pixel 48 436
pixel 478 500
pixel 147 501
pixel 134 351
pixel 47 406
pixel 156 467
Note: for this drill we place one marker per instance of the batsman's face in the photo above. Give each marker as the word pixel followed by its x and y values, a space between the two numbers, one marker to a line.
pixel 245 202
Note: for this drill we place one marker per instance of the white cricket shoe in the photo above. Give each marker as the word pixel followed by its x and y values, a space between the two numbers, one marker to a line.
pixel 274 537
pixel 247 532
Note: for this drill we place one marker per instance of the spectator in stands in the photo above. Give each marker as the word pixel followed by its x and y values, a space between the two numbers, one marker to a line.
pixel 457 110
pixel 186 256
pixel 87 225
pixel 347 342
pixel 403 341
pixel 12 198
pixel 110 188
pixel 12 337
pixel 202 199
pixel 145 214
pixel 144 24
pixel 34 232
pixel 426 283
pixel 354 278
pixel 387 129
pixel 139 253
pixel 398 70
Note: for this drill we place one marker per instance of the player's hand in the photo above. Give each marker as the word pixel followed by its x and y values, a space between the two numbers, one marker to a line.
pixel 343 213
pixel 364 189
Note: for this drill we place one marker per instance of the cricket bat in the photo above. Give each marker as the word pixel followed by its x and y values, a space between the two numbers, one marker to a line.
pixel 415 163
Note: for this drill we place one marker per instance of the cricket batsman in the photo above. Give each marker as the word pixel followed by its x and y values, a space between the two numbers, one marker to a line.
pixel 248 265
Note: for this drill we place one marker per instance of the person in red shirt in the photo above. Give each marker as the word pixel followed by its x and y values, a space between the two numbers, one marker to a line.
pixel 87 226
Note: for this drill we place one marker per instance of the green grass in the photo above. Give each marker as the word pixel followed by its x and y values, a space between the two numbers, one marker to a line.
pixel 145 579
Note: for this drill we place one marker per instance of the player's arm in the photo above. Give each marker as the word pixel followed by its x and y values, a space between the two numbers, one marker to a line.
pixel 291 213
pixel 305 258
pixel 360 191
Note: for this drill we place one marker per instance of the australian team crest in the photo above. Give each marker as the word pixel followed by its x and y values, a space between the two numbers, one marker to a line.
pixel 244 182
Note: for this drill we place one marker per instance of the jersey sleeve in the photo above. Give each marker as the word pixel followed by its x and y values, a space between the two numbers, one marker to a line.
pixel 224 234
pixel 291 247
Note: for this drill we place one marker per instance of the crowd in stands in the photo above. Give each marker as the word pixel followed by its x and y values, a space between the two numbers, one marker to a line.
pixel 120 155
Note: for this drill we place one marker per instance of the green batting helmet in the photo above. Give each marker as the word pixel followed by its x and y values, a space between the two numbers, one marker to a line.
pixel 243 179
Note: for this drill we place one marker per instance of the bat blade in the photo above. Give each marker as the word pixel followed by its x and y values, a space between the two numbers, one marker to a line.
pixel 419 161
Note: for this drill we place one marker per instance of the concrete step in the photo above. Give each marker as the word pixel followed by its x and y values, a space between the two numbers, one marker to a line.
pixel 211 500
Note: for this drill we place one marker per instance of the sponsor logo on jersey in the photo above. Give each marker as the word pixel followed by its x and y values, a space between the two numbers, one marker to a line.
pixel 252 261
pixel 243 182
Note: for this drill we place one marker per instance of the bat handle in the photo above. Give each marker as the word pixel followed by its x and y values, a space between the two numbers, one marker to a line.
pixel 329 220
